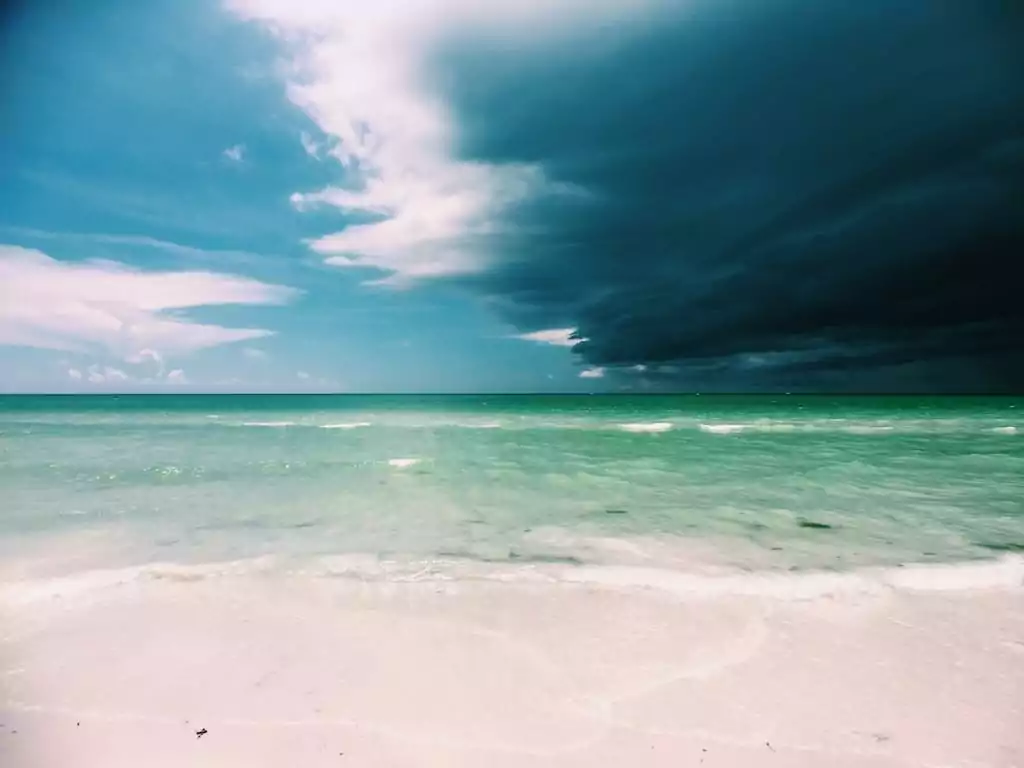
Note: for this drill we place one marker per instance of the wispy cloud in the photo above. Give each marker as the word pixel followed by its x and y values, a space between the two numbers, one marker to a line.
pixel 105 374
pixel 144 356
pixel 559 337
pixel 303 375
pixel 592 373
pixel 134 242
pixel 103 306
pixel 254 354
pixel 310 145
pixel 235 154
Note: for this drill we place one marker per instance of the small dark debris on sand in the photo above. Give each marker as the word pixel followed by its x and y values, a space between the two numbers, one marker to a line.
pixel 769 745
pixel 201 732
pixel 616 512
pixel 814 525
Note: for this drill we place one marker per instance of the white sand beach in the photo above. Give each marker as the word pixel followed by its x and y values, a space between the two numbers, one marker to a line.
pixel 540 667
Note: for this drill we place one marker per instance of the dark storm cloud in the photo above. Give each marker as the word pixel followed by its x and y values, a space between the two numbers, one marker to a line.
pixel 767 193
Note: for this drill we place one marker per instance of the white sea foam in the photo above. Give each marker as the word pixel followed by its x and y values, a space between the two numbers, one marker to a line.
pixel 1005 430
pixel 723 429
pixel 268 424
pixel 347 425
pixel 1004 573
pixel 33 590
pixel 401 463
pixel 647 426
pixel 867 429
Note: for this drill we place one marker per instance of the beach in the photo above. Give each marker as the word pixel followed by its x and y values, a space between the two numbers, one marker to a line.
pixel 568 584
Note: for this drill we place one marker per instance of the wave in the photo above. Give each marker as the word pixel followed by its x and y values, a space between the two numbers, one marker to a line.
pixel 1004 573
pixel 647 426
pixel 678 423
pixel 853 428
pixel 402 463
pixel 724 429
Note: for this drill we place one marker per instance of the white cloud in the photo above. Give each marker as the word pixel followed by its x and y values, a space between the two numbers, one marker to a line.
pixel 303 375
pixel 104 306
pixel 310 145
pixel 146 356
pixel 559 337
pixel 236 153
pixel 592 373
pixel 358 70
pixel 106 376
pixel 143 355
pixel 254 354
pixel 98 374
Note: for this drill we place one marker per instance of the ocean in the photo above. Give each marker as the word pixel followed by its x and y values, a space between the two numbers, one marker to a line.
pixel 553 581
pixel 754 482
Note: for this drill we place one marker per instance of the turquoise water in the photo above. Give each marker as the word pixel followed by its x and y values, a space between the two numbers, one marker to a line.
pixel 759 482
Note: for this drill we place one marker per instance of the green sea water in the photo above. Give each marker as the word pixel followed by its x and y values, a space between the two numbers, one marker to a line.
pixel 747 481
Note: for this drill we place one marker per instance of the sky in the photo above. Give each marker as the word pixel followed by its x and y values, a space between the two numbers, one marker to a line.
pixel 512 196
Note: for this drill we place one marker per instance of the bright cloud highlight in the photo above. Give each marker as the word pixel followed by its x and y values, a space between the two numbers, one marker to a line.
pixel 432 213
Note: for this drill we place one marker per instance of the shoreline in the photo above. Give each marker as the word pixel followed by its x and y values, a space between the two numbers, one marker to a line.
pixel 707 580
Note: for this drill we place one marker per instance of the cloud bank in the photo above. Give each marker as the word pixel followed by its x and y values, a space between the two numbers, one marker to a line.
pixel 746 195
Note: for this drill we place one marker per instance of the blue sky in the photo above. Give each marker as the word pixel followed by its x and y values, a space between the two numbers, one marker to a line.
pixel 157 141
pixel 511 195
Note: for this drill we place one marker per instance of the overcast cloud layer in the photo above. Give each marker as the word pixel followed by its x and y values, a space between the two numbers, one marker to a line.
pixel 778 194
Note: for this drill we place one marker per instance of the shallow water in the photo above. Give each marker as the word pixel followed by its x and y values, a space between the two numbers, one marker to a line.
pixel 769 482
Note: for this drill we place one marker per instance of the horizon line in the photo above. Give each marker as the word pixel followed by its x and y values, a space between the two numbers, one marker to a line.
pixel 678 393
